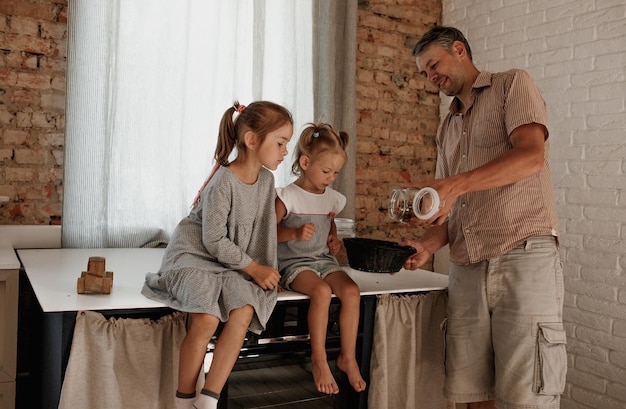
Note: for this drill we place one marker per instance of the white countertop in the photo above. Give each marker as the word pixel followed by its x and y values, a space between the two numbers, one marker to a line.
pixel 8 259
pixel 53 274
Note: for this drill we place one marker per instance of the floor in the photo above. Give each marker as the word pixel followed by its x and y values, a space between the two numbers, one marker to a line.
pixel 288 386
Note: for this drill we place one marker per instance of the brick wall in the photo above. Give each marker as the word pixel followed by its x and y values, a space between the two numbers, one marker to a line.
pixel 398 111
pixel 575 51
pixel 33 48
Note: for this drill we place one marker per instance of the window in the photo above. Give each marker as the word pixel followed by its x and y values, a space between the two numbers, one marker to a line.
pixel 148 81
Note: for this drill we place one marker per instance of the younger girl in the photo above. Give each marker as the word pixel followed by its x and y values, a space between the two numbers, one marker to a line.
pixel 308 241
pixel 220 265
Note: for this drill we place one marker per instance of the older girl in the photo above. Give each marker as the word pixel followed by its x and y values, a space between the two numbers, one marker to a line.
pixel 220 265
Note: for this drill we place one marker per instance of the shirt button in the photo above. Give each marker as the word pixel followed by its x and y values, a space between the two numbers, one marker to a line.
pixel 467 230
pixel 463 204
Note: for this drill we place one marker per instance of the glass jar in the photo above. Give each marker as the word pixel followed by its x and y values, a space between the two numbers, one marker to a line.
pixel 422 203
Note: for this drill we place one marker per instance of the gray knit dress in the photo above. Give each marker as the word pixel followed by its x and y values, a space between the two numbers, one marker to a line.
pixel 233 224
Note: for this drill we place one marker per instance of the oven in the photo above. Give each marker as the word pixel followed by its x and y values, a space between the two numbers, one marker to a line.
pixel 273 368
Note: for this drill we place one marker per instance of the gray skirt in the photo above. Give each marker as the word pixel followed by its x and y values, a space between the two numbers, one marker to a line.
pixel 215 293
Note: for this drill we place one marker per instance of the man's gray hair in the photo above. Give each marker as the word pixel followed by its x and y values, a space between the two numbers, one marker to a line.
pixel 443 37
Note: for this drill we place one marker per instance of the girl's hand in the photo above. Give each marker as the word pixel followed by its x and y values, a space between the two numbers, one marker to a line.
pixel 334 245
pixel 306 231
pixel 266 277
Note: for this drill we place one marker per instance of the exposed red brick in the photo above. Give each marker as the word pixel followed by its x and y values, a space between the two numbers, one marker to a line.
pixel 405 175
pixel 33 40
pixel 15 211
pixel 398 113
pixel 44 10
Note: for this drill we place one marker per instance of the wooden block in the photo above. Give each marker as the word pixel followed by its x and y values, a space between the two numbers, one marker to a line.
pixel 95 266
pixel 96 279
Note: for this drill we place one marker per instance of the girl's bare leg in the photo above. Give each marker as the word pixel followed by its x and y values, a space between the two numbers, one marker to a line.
pixel 307 282
pixel 227 348
pixel 350 296
pixel 193 350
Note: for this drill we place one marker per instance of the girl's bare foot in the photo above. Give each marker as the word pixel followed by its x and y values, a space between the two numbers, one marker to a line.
pixel 323 378
pixel 351 368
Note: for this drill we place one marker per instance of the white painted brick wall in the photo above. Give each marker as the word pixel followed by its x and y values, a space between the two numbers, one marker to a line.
pixel 576 52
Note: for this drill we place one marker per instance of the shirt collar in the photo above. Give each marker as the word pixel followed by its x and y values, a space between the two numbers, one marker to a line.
pixel 482 81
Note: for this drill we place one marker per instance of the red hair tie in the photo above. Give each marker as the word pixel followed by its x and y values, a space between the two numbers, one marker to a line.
pixel 240 108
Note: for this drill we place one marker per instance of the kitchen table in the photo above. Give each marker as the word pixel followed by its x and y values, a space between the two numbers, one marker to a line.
pixel 53 275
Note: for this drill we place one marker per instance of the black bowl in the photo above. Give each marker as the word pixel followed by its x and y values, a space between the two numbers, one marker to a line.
pixel 376 256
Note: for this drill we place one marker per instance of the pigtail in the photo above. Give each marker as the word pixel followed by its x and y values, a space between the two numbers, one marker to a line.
pixel 227 136
pixel 344 138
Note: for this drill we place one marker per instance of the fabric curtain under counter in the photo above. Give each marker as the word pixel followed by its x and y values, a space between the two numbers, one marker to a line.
pixel 123 363
pixel 406 369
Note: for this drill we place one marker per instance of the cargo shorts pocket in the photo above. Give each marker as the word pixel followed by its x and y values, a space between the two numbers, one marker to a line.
pixel 550 360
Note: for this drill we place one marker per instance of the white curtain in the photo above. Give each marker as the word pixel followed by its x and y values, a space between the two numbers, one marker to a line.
pixel 147 83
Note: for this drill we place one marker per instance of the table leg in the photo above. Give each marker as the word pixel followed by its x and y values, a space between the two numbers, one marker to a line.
pixel 368 309
pixel 56 342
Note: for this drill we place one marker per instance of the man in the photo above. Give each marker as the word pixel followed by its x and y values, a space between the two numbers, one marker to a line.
pixel 505 343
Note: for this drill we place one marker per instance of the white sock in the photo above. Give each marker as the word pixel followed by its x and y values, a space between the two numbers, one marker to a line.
pixel 205 402
pixel 185 403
